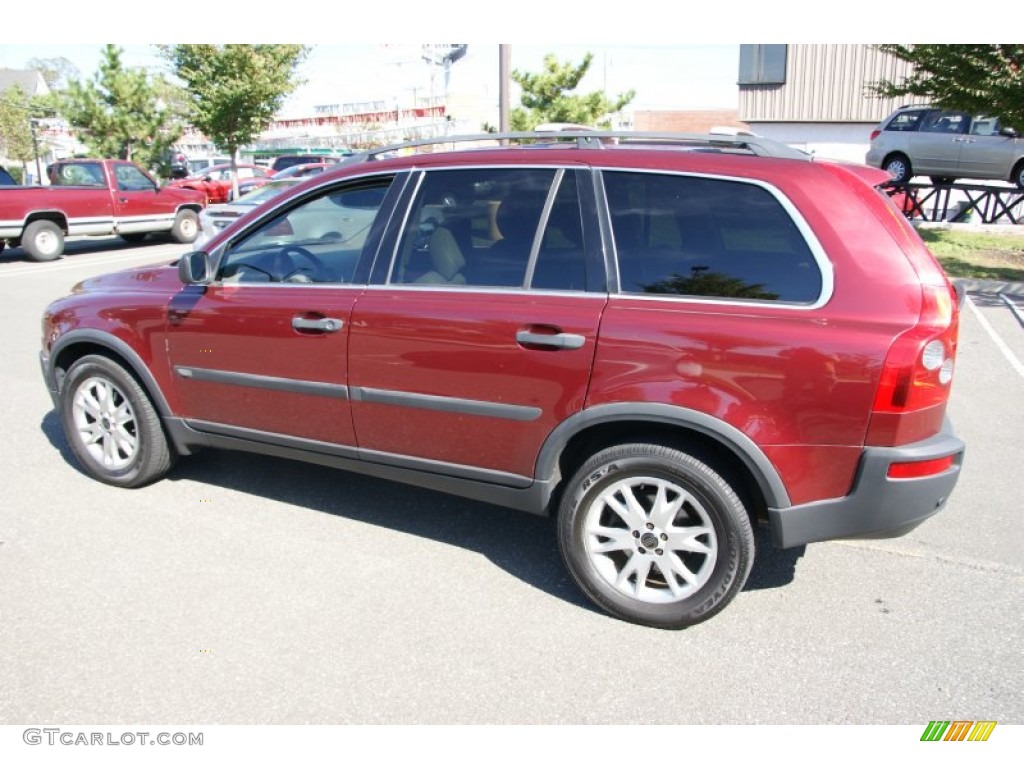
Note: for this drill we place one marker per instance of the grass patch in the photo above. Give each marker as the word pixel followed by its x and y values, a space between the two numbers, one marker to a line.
pixel 978 255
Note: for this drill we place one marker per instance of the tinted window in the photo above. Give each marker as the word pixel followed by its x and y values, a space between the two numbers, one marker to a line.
pixel 493 227
pixel 945 122
pixel 905 121
pixel 762 64
pixel 317 241
pixel 707 237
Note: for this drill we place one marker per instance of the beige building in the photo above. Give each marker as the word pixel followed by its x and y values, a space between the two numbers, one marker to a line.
pixel 815 97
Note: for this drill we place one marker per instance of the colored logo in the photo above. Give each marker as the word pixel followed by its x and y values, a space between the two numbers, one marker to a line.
pixel 958 730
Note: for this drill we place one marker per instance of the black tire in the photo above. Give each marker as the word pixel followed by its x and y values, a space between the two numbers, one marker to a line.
pixel 1017 177
pixel 898 166
pixel 186 226
pixel 133 237
pixel 43 240
pixel 709 517
pixel 111 424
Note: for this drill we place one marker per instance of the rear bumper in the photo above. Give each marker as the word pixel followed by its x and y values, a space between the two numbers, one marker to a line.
pixel 878 506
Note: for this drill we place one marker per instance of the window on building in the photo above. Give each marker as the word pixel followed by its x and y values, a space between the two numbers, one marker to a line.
pixel 762 64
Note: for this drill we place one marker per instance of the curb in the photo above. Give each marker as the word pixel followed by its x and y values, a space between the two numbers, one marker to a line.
pixel 970 285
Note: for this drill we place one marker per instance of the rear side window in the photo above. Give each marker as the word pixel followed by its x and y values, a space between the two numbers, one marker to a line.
pixel 905 121
pixel 494 228
pixel 692 236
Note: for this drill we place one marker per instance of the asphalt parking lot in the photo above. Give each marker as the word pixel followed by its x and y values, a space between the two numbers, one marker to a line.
pixel 248 590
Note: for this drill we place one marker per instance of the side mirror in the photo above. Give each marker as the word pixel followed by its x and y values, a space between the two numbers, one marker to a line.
pixel 1011 132
pixel 194 268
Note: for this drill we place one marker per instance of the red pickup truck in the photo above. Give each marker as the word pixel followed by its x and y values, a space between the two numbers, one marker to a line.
pixel 95 197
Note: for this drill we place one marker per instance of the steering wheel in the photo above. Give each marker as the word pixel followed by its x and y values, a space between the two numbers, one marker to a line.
pixel 316 274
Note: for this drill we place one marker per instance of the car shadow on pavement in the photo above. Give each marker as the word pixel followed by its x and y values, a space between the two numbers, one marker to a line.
pixel 522 544
pixel 86 246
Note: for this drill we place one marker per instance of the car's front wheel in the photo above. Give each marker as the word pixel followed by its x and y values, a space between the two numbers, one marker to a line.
pixel 655 536
pixel 111 424
pixel 1017 177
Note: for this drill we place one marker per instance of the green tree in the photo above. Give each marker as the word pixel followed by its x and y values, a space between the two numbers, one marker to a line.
pixel 546 97
pixel 235 90
pixel 15 129
pixel 119 113
pixel 983 79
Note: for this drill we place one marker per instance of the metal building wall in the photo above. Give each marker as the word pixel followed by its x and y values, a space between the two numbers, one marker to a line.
pixel 825 83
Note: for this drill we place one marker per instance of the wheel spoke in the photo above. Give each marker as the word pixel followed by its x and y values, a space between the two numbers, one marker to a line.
pixel 638 565
pixel 617 539
pixel 91 433
pixel 685 539
pixel 125 441
pixel 670 566
pixel 664 511
pixel 631 512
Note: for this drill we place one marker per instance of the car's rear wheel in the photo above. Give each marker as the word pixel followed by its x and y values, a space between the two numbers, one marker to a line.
pixel 655 536
pixel 111 424
pixel 186 226
pixel 43 240
pixel 899 168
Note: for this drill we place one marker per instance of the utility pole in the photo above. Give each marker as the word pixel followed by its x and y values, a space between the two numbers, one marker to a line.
pixel 504 60
pixel 35 150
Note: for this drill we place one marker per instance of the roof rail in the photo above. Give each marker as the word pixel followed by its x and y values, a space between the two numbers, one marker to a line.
pixel 596 139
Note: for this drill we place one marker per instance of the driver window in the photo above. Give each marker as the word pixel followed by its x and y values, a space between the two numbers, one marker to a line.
pixel 319 240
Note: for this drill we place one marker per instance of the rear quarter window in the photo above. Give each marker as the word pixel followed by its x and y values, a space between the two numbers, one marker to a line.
pixel 696 236
pixel 905 121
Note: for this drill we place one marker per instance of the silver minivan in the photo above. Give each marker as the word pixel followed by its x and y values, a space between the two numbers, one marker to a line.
pixel 946 145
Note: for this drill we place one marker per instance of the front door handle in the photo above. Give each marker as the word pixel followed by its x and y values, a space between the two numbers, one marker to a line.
pixel 325 324
pixel 552 340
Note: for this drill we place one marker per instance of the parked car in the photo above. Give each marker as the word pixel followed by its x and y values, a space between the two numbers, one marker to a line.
pixel 216 182
pixel 287 161
pixel 95 197
pixel 216 217
pixel 659 347
pixel 946 145
pixel 301 171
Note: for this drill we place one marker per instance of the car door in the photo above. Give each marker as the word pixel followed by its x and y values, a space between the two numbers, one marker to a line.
pixel 477 336
pixel 137 207
pixel 938 142
pixel 987 154
pixel 261 352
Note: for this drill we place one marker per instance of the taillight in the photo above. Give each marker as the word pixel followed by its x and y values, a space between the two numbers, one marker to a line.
pixel 874 134
pixel 914 385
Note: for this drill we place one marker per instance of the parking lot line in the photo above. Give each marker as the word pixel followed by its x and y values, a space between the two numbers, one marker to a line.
pixel 1002 345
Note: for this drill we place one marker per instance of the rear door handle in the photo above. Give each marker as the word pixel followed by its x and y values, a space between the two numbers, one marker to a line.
pixel 555 341
pixel 325 324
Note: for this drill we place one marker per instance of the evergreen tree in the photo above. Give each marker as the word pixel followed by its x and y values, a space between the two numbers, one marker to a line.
pixel 546 97
pixel 120 114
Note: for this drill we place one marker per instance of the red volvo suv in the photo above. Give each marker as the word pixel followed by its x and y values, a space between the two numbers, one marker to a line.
pixel 660 340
